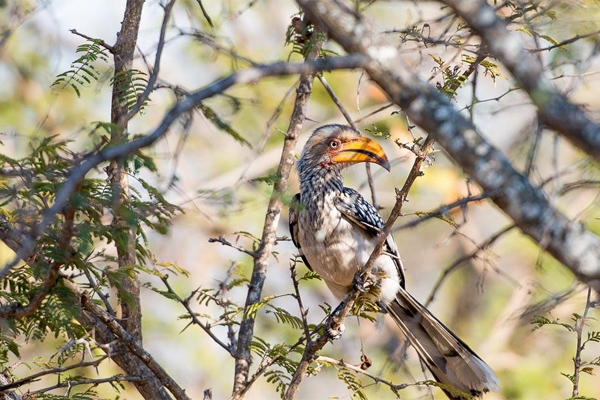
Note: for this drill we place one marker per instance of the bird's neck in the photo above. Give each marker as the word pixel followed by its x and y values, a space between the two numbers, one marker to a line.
pixel 319 185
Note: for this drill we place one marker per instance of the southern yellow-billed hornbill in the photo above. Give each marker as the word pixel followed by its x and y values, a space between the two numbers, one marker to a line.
pixel 335 230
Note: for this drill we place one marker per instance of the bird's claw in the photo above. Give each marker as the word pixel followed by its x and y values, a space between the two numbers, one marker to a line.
pixel 335 333
pixel 364 285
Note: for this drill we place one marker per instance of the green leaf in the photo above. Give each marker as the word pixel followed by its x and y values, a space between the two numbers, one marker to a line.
pixel 444 217
pixel 212 116
pixel 569 377
pixel 169 266
pixel 269 179
pixel 82 72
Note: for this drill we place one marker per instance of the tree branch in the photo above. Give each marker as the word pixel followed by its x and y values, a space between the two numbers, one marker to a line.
pixel 569 242
pixel 263 253
pixel 15 310
pixel 88 381
pixel 125 360
pixel 56 370
pixel 566 41
pixel 129 341
pixel 554 108
pixel 102 43
pixel 186 303
pixel 441 210
pixel 579 325
pixel 126 257
pixel 221 239
pixel 393 387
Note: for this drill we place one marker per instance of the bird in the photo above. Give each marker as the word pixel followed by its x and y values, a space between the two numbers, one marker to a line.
pixel 335 230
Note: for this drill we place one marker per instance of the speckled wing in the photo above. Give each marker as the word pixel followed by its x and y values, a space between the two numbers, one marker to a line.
pixel 295 207
pixel 360 212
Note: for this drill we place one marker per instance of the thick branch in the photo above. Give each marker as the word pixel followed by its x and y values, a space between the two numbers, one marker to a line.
pixel 555 110
pixel 124 48
pixel 134 346
pixel 572 244
pixel 263 253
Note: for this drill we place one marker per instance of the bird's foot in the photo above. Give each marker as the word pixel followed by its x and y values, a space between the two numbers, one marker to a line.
pixel 335 333
pixel 366 283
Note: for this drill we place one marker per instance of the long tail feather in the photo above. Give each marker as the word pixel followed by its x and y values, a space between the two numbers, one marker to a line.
pixel 448 358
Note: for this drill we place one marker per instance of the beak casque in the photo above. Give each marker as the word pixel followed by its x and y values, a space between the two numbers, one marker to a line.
pixel 360 150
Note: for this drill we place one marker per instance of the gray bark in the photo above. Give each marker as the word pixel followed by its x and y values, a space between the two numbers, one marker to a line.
pixel 555 110
pixel 569 242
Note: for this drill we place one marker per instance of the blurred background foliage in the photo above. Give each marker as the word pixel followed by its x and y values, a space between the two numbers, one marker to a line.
pixel 216 168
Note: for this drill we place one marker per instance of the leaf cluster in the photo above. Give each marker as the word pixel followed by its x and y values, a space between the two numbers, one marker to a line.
pixel 78 240
pixel 83 71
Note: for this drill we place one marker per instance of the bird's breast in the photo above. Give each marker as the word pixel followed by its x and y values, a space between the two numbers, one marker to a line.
pixel 334 248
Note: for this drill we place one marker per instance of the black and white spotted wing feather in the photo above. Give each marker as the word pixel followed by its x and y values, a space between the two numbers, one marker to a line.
pixel 448 358
pixel 295 205
pixel 359 211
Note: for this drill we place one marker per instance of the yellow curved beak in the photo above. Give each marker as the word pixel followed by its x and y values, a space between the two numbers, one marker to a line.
pixel 362 149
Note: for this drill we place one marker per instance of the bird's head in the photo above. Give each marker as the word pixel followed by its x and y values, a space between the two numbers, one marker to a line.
pixel 338 146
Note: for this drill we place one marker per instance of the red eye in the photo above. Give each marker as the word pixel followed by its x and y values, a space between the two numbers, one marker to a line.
pixel 334 144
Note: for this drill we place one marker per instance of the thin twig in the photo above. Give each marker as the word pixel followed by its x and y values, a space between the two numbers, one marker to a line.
pixel 210 41
pixel 50 371
pixel 97 41
pixel 186 303
pixel 337 101
pixel 259 148
pixel 227 243
pixel 89 381
pixel 96 288
pixel 376 111
pixel 565 42
pixel 303 311
pixel 371 186
pixel 150 86
pixel 394 387
pixel 441 210
pixel 579 325
pixel 205 13
pixel 534 148
pixel 456 264
pixel 415 171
